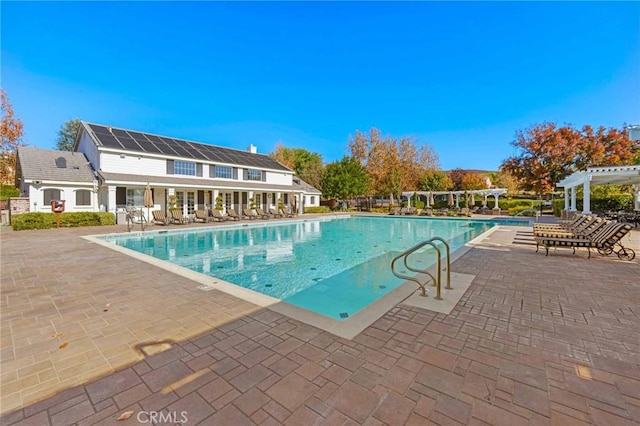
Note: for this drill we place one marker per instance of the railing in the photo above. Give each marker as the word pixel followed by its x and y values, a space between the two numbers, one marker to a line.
pixel 436 280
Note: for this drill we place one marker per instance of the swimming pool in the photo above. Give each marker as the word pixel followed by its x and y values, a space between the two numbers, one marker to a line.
pixel 334 267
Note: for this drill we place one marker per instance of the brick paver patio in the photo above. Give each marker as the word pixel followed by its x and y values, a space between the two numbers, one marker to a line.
pixel 88 333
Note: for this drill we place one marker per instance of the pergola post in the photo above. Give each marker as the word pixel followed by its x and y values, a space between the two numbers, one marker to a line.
pixel 573 199
pixel 586 196
pixel 457 200
pixel 566 199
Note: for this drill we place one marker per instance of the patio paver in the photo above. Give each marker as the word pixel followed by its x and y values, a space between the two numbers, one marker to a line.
pixel 535 340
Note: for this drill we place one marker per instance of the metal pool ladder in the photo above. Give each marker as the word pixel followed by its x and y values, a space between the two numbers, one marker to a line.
pixel 436 280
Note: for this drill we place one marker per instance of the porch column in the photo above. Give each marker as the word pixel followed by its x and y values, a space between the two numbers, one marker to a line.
pixel 457 200
pixel 250 196
pixel 111 200
pixel 566 198
pixel 573 199
pixel 586 196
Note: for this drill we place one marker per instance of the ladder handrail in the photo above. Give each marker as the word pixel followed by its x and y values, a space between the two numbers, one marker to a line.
pixel 436 280
pixel 446 246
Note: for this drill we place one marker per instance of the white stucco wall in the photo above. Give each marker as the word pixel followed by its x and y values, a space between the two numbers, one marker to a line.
pixel 90 150
pixel 67 193
pixel 133 164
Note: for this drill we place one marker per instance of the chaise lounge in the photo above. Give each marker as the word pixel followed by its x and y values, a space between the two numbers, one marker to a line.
pixel 604 242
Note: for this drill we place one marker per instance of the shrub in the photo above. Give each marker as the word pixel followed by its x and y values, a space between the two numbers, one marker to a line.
pixel 317 209
pixel 8 192
pixel 26 221
pixel 419 204
pixel 612 202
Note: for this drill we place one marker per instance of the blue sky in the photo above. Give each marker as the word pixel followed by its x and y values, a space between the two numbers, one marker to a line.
pixel 462 77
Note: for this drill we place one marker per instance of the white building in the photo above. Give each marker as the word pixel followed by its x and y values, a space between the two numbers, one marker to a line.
pixel 118 164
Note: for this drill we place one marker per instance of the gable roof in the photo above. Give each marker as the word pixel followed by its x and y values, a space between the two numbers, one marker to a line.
pixel 301 185
pixel 53 165
pixel 134 141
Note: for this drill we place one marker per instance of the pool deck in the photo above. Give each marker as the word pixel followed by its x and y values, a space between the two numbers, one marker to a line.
pixel 88 333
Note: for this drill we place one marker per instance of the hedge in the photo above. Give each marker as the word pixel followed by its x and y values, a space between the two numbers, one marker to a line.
pixel 24 221
pixel 318 209
pixel 612 202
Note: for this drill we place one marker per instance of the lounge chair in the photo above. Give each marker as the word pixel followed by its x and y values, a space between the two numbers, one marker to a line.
pixel 261 214
pixel 464 211
pixel 178 217
pixel 284 213
pixel 427 211
pixel 248 213
pixel 216 215
pixel 586 230
pixel 201 216
pixel 578 220
pixel 290 211
pixel 274 212
pixel 159 217
pixel 605 242
pixel 396 211
pixel 233 215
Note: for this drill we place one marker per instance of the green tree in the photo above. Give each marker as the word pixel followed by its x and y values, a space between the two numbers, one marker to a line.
pixel 344 179
pixel 435 180
pixel 67 135
pixel 305 164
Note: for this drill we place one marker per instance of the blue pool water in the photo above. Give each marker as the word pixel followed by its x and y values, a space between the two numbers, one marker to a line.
pixel 333 267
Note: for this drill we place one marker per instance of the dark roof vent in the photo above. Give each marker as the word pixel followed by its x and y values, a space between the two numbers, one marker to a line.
pixel 61 163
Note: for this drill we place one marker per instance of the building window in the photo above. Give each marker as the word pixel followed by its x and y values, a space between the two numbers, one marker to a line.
pixel 254 175
pixel 180 201
pixel 224 172
pixel 184 168
pixel 83 197
pixel 257 199
pixel 312 200
pixel 227 201
pixel 135 197
pixel 50 195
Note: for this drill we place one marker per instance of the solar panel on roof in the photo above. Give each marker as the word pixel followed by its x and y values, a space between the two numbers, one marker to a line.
pixel 137 136
pixel 194 152
pixel 97 128
pixel 108 140
pixel 181 151
pixel 148 146
pixel 119 133
pixel 129 143
pixel 153 138
pixel 137 141
pixel 169 141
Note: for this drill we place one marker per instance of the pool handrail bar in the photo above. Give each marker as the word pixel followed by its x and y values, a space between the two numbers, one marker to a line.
pixel 436 280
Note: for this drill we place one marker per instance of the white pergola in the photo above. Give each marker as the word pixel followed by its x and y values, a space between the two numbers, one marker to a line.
pixel 616 175
pixel 494 192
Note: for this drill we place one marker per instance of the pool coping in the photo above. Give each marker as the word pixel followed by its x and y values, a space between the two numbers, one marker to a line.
pixel 347 328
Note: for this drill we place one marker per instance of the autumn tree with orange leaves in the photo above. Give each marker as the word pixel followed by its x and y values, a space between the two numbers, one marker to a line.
pixel 11 139
pixel 548 153
pixel 393 164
